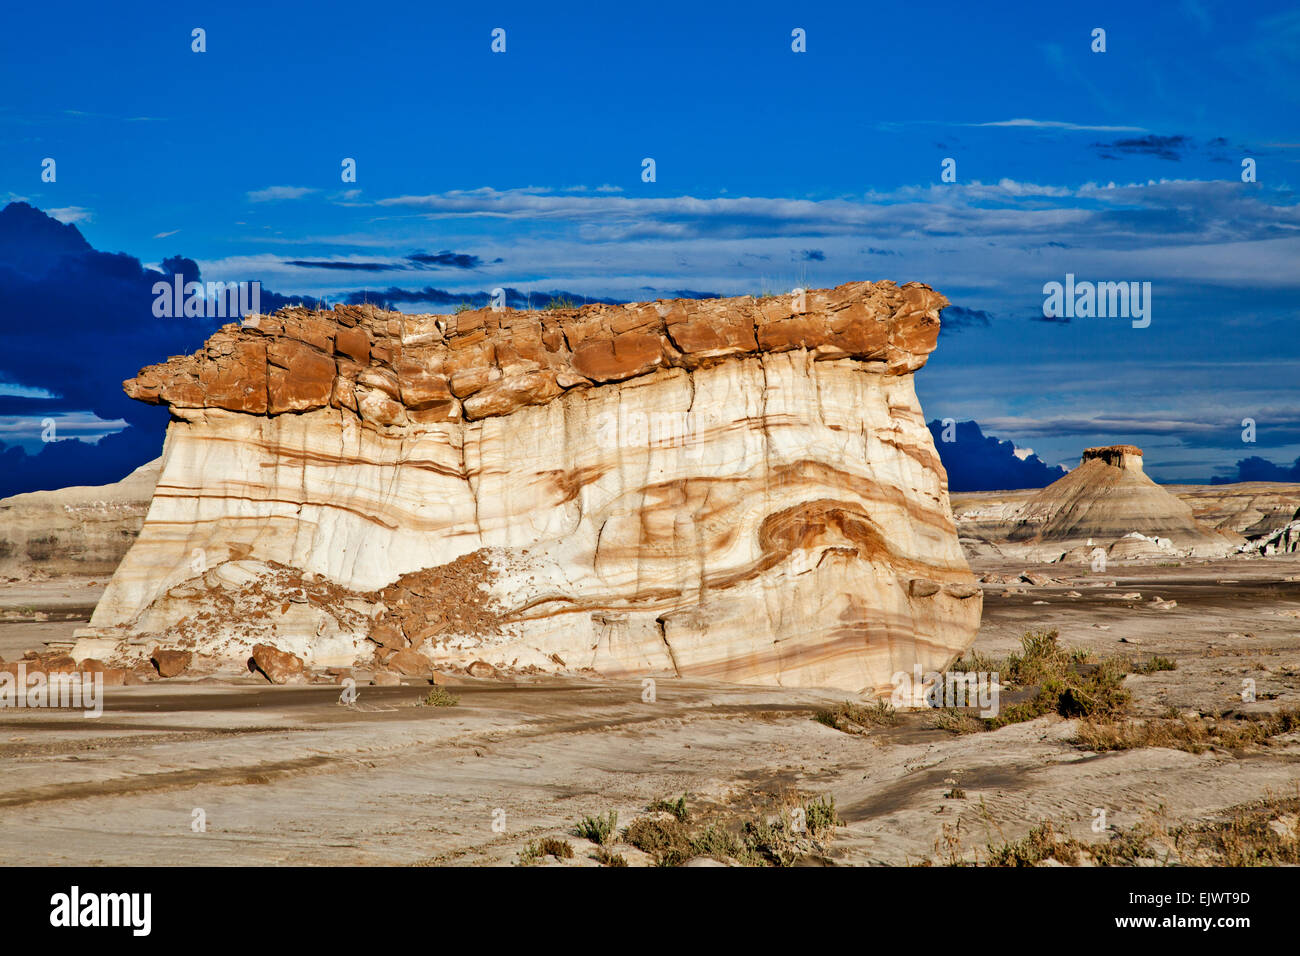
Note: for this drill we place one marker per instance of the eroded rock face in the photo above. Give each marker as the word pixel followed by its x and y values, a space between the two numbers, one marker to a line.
pixel 1255 509
pixel 74 531
pixel 735 488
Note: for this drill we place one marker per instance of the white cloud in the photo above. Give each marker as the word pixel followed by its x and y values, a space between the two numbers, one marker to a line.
pixel 1057 124
pixel 273 193
pixel 69 214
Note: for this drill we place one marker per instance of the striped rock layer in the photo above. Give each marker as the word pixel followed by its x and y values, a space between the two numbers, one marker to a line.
pixel 736 489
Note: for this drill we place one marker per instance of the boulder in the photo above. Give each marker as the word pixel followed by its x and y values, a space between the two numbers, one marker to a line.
pixel 410 663
pixel 481 669
pixel 171 662
pixel 277 666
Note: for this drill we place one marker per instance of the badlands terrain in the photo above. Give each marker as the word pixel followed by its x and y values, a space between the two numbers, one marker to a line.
pixel 441 590
pixel 283 773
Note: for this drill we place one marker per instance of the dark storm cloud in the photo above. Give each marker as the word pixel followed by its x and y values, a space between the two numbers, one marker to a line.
pixel 454 260
pixel 978 462
pixel 79 322
pixel 1162 147
pixel 344 266
pixel 955 318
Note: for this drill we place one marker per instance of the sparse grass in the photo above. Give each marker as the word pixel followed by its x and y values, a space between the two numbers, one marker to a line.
pixel 529 855
pixel 1265 832
pixel 536 850
pixel 956 721
pixel 561 302
pixel 676 807
pixel 756 842
pixel 1192 734
pixel 439 697
pixel 598 829
pixel 1042 843
pixel 974 664
pixel 854 718
pixel 1156 663
pixel 609 858
pixel 956 793
pixel 464 307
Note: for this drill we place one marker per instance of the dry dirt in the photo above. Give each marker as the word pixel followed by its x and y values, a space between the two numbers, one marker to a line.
pixel 289 775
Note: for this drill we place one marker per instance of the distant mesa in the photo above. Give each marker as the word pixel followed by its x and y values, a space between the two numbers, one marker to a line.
pixel 1108 502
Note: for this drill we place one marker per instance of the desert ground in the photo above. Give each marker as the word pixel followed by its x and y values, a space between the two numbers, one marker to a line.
pixel 225 769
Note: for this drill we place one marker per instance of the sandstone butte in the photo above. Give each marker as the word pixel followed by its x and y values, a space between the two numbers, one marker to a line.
pixel 1111 503
pixel 738 489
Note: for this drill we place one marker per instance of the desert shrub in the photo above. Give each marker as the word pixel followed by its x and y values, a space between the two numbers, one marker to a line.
pixel 676 807
pixel 598 829
pixel 1069 684
pixel 609 857
pixel 718 843
pixel 439 697
pixel 1042 843
pixel 560 849
pixel 547 846
pixel 1156 663
pixel 854 718
pixel 668 841
pixel 771 842
pixel 819 816
pixel 1041 656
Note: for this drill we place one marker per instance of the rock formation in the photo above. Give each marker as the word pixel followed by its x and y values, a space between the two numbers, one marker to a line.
pixel 1109 502
pixel 741 489
pixel 1255 509
pixel 77 530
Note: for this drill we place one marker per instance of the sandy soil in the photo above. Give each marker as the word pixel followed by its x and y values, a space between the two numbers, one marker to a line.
pixel 291 775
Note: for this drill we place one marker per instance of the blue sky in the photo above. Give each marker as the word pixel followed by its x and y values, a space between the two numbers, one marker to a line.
pixel 774 169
